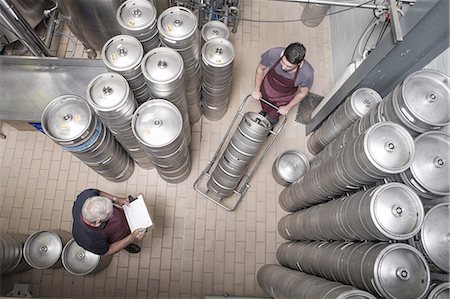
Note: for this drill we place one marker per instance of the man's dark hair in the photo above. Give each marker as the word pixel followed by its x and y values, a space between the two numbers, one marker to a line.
pixel 295 53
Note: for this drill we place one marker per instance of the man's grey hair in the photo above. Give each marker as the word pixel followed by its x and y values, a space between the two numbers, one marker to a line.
pixel 97 208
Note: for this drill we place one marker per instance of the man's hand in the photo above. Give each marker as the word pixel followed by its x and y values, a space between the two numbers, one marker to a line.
pixel 122 201
pixel 138 234
pixel 283 110
pixel 256 94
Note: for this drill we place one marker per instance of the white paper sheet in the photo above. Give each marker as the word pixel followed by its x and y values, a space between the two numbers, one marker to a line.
pixel 137 214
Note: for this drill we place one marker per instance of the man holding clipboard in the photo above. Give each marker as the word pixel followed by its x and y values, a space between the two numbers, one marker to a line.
pixel 100 225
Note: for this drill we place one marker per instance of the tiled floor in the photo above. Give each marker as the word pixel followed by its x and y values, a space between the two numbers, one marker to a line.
pixel 196 248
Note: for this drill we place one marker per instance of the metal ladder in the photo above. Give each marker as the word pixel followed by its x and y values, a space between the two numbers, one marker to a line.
pixel 230 203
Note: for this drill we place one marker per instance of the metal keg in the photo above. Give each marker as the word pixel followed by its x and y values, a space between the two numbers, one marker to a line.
pixel 433 239
pixel 138 18
pixel 163 70
pixel 313 14
pixel 214 29
pixel 284 283
pixel 217 67
pixel 69 121
pixel 429 171
pixel 110 97
pixel 158 125
pixel 12 258
pixel 42 249
pixel 385 270
pixel 388 212
pixel 356 106
pixel 79 261
pixel 289 167
pixel 421 102
pixel 177 28
pixel 439 290
pixel 384 149
pixel 123 54
pixel 243 146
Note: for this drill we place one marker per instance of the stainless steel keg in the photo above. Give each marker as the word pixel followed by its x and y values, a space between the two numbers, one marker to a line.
pixel 110 97
pixel 289 167
pixel 69 121
pixel 284 283
pixel 138 18
pixel 429 171
pixel 78 261
pixel 356 106
pixel 244 144
pixel 163 70
pixel 12 258
pixel 385 270
pixel 439 290
pixel 177 28
pixel 388 212
pixel 123 54
pixel 158 125
pixel 384 149
pixel 214 29
pixel 433 239
pixel 217 67
pixel 43 249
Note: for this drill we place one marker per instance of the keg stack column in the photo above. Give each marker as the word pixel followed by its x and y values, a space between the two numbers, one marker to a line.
pixel 69 121
pixel 110 97
pixel 177 28
pixel 138 18
pixel 123 54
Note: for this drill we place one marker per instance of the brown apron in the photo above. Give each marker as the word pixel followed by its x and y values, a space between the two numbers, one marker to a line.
pixel 277 89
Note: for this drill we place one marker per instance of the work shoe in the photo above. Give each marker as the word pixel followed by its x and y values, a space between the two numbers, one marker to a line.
pixel 133 248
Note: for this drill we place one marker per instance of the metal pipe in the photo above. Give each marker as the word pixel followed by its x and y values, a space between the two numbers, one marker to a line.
pixel 53 19
pixel 17 24
pixel 335 3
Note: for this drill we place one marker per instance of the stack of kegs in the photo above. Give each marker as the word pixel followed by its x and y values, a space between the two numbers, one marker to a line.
pixel 217 67
pixel 110 97
pixel 164 74
pixel 12 258
pixel 214 29
pixel 69 121
pixel 138 18
pixel 79 261
pixel 356 106
pixel 284 283
pixel 158 125
pixel 420 103
pixel 433 239
pixel 387 212
pixel 178 30
pixel 245 143
pixel 123 54
pixel 384 149
pixel 43 249
pixel 383 269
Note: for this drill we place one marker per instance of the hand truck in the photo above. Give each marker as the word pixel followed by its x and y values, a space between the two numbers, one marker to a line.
pixel 230 203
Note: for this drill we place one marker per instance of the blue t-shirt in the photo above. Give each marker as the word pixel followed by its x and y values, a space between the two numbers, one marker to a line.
pixel 305 77
pixel 90 238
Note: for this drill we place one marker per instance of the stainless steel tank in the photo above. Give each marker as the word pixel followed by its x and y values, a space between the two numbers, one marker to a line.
pixel 79 261
pixel 69 121
pixel 158 125
pixel 92 21
pixel 284 283
pixel 385 270
pixel 388 212
pixel 31 10
pixel 289 167
pixel 43 249
pixel 110 97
